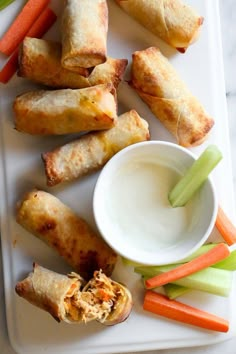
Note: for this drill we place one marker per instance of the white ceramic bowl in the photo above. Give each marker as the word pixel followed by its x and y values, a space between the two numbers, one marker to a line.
pixel 132 211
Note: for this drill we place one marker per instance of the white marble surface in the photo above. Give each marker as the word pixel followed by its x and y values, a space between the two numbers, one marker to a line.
pixel 228 24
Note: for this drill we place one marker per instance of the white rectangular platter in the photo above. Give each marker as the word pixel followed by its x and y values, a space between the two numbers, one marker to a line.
pixel 34 331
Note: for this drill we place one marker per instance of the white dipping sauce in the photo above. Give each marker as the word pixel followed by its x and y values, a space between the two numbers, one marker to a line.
pixel 139 209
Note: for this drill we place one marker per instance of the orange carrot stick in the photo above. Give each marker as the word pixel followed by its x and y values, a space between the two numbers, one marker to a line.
pixel 175 310
pixel 21 25
pixel 9 68
pixel 214 255
pixel 39 28
pixel 225 227
pixel 42 24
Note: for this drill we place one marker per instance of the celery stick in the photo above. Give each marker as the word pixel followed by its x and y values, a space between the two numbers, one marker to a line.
pixel 201 250
pixel 211 280
pixel 228 263
pixel 195 176
pixel 128 262
pixel 5 3
pixel 173 291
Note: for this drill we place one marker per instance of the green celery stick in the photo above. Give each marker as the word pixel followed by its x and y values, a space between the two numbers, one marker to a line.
pixel 128 262
pixel 173 291
pixel 195 176
pixel 201 250
pixel 211 280
pixel 228 263
pixel 5 3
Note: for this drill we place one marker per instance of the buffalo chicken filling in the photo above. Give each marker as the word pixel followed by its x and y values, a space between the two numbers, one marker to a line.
pixel 95 301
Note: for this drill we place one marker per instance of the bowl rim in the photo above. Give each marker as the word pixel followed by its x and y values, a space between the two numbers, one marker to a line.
pixel 96 203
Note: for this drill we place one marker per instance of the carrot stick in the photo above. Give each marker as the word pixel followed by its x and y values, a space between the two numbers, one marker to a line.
pixel 42 24
pixel 214 255
pixel 21 25
pixel 225 227
pixel 39 28
pixel 175 310
pixel 9 68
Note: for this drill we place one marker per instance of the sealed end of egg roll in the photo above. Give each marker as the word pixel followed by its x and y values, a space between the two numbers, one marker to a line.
pixel 160 87
pixel 172 20
pixel 46 217
pixel 84 33
pixel 40 61
pixel 92 151
pixel 68 298
pixel 66 111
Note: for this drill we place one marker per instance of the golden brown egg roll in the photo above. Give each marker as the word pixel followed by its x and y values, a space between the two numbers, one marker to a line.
pixel 67 298
pixel 84 33
pixel 92 151
pixel 160 87
pixel 66 111
pixel 40 61
pixel 46 217
pixel 172 20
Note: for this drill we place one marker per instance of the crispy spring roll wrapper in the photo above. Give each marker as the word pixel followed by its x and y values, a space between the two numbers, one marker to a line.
pixel 68 299
pixel 66 111
pixel 92 151
pixel 160 87
pixel 49 290
pixel 40 61
pixel 172 20
pixel 46 217
pixel 84 33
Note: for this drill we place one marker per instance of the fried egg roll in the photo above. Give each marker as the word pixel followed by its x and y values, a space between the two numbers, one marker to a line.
pixel 92 151
pixel 67 298
pixel 65 111
pixel 49 290
pixel 40 61
pixel 84 33
pixel 160 87
pixel 46 217
pixel 172 20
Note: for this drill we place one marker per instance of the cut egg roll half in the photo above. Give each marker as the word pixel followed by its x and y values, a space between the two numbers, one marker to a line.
pixel 172 20
pixel 84 33
pixel 40 61
pixel 91 151
pixel 46 217
pixel 70 299
pixel 160 87
pixel 66 111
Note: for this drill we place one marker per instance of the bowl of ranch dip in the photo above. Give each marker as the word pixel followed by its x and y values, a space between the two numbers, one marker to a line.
pixel 132 210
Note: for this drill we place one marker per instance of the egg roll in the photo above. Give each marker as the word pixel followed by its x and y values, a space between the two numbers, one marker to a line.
pixel 46 217
pixel 69 299
pixel 91 151
pixel 158 84
pixel 40 61
pixel 84 33
pixel 65 111
pixel 172 20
